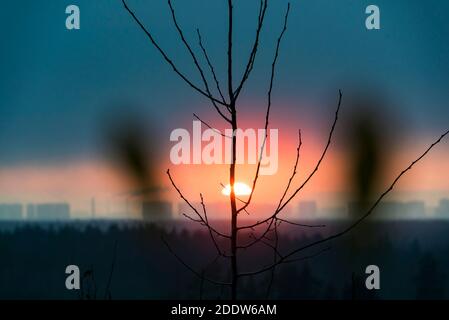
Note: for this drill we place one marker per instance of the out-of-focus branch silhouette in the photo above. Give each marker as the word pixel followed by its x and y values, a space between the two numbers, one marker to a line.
pixel 362 218
pixel 227 108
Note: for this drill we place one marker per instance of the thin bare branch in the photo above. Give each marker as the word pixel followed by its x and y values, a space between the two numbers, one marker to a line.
pixel 273 221
pixel 276 254
pixel 267 115
pixel 322 155
pixel 298 149
pixel 107 293
pixel 329 140
pixel 230 31
pixel 237 198
pixel 309 256
pixel 207 125
pixel 196 273
pixel 269 228
pixel 253 54
pixel 275 250
pixel 358 221
pixel 211 67
pixel 200 217
pixel 301 224
pixel 191 218
pixel 168 60
pixel 214 241
pixel 257 239
pixel 195 60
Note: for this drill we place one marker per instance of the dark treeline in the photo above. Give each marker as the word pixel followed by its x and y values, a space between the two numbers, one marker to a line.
pixel 412 256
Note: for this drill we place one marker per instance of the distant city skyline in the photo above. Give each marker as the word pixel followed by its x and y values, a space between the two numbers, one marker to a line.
pixel 60 97
pixel 167 210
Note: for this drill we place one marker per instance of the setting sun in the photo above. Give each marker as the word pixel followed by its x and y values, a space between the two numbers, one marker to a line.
pixel 241 189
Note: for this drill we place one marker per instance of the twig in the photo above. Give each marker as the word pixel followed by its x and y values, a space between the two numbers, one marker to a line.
pixel 217 247
pixel 230 26
pixel 309 256
pixel 195 60
pixel 237 198
pixel 267 115
pixel 169 61
pixel 211 67
pixel 207 125
pixel 191 269
pixel 354 224
pixel 108 285
pixel 275 256
pixel 193 208
pixel 301 224
pixel 298 149
pixel 252 56
pixel 310 175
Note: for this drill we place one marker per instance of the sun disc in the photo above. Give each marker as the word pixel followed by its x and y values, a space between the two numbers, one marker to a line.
pixel 240 189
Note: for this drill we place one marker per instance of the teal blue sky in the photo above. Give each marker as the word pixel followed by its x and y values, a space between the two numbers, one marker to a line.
pixel 57 86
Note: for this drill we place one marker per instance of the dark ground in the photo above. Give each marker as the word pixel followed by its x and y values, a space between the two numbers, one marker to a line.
pixel 413 257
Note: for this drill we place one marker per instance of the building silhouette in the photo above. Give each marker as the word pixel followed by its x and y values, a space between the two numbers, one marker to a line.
pixel 336 212
pixel 307 209
pixel 156 210
pixel 48 211
pixel 442 210
pixel 390 210
pixel 93 208
pixel 31 211
pixel 11 211
pixel 415 209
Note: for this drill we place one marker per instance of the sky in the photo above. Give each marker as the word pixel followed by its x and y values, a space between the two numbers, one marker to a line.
pixel 60 89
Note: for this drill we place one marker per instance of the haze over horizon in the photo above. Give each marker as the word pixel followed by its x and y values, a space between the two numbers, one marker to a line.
pixel 59 97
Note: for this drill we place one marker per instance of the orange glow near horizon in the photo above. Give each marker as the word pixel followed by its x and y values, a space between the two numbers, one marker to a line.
pixel 79 181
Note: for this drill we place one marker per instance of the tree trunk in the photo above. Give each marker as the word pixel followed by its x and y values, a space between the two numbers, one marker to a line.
pixel 234 270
